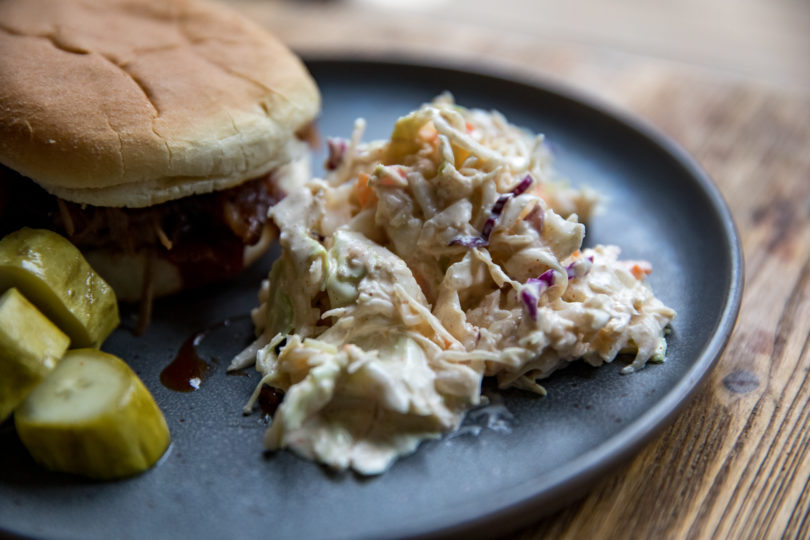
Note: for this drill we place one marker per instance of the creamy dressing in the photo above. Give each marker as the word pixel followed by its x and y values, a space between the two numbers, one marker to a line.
pixel 422 264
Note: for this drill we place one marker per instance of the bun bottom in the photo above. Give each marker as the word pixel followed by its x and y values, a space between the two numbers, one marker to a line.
pixel 129 274
pixel 154 272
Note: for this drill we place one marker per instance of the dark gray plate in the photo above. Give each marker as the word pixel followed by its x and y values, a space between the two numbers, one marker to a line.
pixel 216 483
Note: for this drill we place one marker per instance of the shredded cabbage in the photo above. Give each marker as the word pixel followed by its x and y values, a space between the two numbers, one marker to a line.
pixel 422 264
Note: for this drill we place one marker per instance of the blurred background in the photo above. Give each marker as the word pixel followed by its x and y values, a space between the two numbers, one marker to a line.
pixel 766 41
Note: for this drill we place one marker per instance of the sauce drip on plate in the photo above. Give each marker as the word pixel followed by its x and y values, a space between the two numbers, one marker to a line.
pixel 186 372
pixel 269 400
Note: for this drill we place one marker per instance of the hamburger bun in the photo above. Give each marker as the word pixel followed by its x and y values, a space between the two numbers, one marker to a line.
pixel 132 104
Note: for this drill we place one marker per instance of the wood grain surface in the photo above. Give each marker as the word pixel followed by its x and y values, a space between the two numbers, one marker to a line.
pixel 736 462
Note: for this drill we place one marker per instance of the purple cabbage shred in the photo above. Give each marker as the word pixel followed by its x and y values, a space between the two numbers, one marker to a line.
pixel 494 214
pixel 572 271
pixel 497 208
pixel 337 150
pixel 469 241
pixel 522 186
pixel 487 228
pixel 530 301
pixel 546 278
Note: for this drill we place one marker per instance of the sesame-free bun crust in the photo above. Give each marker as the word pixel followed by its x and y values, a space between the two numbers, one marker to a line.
pixel 133 102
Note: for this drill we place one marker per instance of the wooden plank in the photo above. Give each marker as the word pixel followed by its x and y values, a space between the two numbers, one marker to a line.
pixel 765 41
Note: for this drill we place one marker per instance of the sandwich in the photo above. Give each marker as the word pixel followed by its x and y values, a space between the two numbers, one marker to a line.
pixel 153 134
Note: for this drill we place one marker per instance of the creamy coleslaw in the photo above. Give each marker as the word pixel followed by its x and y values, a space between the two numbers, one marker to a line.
pixel 420 265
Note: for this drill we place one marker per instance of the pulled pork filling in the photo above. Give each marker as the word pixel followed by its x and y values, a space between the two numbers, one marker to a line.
pixel 203 235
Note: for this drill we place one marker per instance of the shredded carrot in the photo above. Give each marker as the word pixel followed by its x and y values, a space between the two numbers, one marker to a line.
pixel 470 127
pixel 640 271
pixel 576 254
pixel 389 180
pixel 365 195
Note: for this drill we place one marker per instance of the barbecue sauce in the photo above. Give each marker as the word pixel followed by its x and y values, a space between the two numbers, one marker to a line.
pixel 269 399
pixel 187 371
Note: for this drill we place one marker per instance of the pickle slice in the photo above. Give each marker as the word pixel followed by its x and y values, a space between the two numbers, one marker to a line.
pixel 92 416
pixel 30 347
pixel 53 275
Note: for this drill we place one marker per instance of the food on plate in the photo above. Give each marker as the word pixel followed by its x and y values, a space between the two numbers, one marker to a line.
pixel 153 134
pixel 422 264
pixel 92 416
pixel 51 273
pixel 30 347
pixel 84 411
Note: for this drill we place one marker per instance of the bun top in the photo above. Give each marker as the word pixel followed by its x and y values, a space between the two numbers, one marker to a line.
pixel 134 102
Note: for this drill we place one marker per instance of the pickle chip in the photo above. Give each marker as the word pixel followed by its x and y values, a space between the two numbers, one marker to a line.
pixel 52 273
pixel 92 416
pixel 30 347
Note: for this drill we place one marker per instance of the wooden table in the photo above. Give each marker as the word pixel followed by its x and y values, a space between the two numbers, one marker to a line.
pixel 736 463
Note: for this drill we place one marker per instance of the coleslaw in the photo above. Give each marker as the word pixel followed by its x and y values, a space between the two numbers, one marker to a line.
pixel 420 265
